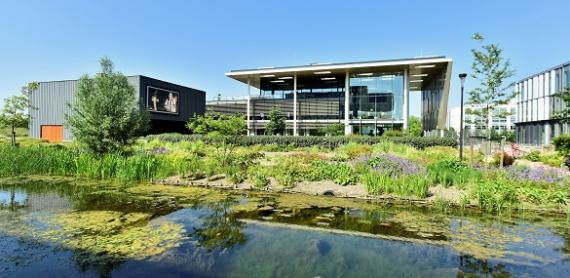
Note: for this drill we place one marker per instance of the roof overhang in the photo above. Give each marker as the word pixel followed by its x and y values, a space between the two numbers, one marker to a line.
pixel 414 66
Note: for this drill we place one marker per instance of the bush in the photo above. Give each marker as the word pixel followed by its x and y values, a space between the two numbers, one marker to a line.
pixel 533 156
pixel 330 142
pixel 340 173
pixel 562 146
pixel 393 133
pixel 508 159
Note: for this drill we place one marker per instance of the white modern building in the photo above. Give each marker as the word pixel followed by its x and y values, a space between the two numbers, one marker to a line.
pixel 470 120
pixel 367 97
pixel 537 105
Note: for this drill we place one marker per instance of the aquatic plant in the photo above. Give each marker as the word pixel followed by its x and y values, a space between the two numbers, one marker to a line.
pixel 378 183
pixel 453 172
pixel 496 195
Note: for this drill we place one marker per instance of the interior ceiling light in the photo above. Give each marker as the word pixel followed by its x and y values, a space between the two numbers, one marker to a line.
pixel 322 72
pixel 388 76
pixel 328 78
pixel 416 81
pixel 413 88
pixel 277 81
pixel 419 75
pixel 365 74
pixel 286 77
pixel 268 75
pixel 367 79
pixel 425 66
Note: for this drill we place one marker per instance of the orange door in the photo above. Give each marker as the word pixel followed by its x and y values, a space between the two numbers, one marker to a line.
pixel 52 133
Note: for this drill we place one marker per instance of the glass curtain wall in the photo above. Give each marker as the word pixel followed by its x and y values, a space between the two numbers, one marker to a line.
pixel 377 96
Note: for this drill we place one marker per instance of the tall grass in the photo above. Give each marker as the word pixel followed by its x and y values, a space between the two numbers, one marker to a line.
pixel 65 161
pixel 378 183
pixel 453 172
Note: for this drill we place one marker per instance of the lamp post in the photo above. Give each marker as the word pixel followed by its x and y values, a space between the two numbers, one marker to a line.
pixel 462 76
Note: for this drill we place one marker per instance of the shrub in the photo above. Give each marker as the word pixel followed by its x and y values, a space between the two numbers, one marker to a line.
pixel 533 156
pixel 352 150
pixel 393 133
pixel 508 159
pixel 258 177
pixel 309 141
pixel 562 144
pixel 391 165
pixel 340 173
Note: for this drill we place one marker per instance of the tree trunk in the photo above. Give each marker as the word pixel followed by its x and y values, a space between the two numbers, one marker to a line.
pixel 13 136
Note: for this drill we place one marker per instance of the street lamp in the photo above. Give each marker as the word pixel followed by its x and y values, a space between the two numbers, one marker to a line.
pixel 462 76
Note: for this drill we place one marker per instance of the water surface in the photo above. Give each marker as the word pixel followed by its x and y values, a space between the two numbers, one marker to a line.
pixel 66 229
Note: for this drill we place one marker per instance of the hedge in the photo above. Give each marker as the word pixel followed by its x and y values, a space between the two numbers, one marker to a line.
pixel 309 141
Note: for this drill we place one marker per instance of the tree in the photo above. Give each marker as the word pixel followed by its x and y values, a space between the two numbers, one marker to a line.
pixel 564 114
pixel 276 124
pixel 14 114
pixel 224 129
pixel 491 70
pixel 335 129
pixel 415 128
pixel 106 116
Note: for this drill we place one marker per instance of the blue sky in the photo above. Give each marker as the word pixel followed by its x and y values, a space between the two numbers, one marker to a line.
pixel 195 42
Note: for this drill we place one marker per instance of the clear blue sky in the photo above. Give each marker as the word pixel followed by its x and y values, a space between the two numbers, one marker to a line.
pixel 195 42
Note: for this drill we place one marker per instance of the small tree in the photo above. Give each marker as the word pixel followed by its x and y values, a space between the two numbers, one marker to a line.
pixel 564 114
pixel 224 129
pixel 14 114
pixel 491 70
pixel 335 129
pixel 415 128
pixel 106 116
pixel 276 124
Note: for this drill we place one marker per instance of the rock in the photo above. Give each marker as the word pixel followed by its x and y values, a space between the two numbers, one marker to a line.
pixel 216 177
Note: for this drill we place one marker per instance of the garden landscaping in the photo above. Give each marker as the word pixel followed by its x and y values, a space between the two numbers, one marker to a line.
pixel 416 170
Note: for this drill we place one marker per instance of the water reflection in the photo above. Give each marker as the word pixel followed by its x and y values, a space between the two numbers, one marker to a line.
pixel 109 230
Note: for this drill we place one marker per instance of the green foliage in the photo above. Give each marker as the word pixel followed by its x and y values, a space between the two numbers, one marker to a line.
pixel 14 114
pixel 276 124
pixel 496 195
pixel 352 150
pixel 393 133
pixel 415 127
pixel 533 156
pixel 58 160
pixel 508 159
pixel 340 173
pixel 498 136
pixel 259 177
pixel 213 124
pixel 105 116
pixel 310 141
pixel 336 129
pixel 491 70
pixel 562 144
pixel 378 183
pixel 564 114
pixel 453 172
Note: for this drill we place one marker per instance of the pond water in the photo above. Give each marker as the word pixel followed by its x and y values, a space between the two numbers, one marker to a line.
pixel 65 229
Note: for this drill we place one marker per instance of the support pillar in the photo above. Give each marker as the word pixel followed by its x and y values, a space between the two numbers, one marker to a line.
pixel 406 113
pixel 248 108
pixel 295 127
pixel 347 127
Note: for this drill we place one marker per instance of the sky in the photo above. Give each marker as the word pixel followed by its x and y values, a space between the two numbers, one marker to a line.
pixel 194 43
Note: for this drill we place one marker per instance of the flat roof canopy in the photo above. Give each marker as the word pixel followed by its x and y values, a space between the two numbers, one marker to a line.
pixel 423 68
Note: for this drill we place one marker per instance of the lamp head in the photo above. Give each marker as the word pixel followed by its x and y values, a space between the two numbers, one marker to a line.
pixel 462 76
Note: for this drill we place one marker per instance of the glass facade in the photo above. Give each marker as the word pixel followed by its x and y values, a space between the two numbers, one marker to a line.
pixel 377 96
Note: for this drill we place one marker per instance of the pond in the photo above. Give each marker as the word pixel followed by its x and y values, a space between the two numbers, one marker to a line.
pixel 64 228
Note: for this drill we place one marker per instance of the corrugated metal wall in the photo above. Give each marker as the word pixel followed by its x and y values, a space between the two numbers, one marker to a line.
pixel 50 101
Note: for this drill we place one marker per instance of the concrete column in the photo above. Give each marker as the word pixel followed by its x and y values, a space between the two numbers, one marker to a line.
pixel 406 111
pixel 248 108
pixel 295 127
pixel 547 132
pixel 347 127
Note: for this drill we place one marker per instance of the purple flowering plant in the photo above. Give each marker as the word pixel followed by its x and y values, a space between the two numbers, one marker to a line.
pixel 391 165
pixel 535 174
